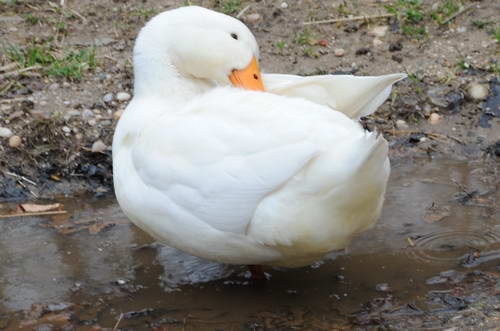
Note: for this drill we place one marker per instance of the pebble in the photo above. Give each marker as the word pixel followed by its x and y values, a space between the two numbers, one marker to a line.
pixel 253 18
pixel 122 96
pixel 15 141
pixel 401 124
pixel 118 114
pixel 436 280
pixel 5 132
pixel 54 86
pixel 378 31
pixel 478 91
pixel 66 129
pixel 108 97
pixel 87 114
pixel 434 118
pixel 339 52
pixel 377 42
pixel 383 287
pixel 284 5
pixel 98 147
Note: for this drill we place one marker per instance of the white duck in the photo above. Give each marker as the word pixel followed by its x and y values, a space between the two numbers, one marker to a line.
pixel 240 176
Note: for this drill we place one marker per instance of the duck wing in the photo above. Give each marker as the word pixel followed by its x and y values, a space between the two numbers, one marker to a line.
pixel 355 96
pixel 221 155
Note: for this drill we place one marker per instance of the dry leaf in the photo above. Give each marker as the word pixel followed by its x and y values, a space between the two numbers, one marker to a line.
pixel 36 208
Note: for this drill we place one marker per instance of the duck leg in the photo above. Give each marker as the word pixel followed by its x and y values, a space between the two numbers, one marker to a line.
pixel 257 272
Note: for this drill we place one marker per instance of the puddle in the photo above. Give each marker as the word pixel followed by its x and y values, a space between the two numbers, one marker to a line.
pixel 96 269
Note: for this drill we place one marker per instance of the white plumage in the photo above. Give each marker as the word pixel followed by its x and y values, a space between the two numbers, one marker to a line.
pixel 238 176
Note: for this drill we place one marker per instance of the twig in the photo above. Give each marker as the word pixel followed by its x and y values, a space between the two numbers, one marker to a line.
pixel 118 322
pixel 6 87
pixel 243 11
pixel 13 100
pixel 20 177
pixel 42 213
pixel 458 13
pixel 8 66
pixel 79 15
pixel 18 72
pixel 349 19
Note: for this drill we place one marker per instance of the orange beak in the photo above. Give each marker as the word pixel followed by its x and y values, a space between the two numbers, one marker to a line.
pixel 248 78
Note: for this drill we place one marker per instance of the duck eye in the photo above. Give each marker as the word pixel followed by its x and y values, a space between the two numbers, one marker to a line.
pixel 234 36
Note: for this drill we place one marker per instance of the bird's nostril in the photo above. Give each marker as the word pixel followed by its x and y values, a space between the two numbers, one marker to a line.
pixel 255 76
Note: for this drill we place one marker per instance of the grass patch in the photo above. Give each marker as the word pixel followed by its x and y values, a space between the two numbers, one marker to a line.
pixel 410 14
pixel 481 24
pixel 144 13
pixel 71 65
pixel 496 33
pixel 306 37
pixel 32 19
pixel 446 10
pixel 230 7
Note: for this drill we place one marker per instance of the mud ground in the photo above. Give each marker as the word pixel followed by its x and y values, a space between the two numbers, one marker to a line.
pixel 63 107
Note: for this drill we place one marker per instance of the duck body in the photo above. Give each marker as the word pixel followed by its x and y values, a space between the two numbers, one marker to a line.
pixel 248 177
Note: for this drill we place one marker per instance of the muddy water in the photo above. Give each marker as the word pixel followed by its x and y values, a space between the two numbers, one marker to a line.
pixel 88 269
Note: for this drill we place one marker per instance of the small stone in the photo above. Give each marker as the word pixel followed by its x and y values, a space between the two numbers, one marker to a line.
pixel 15 141
pixel 87 114
pixel 284 5
pixel 377 42
pixel 323 43
pixel 71 113
pixel 436 280
pixel 339 52
pixel 54 86
pixel 117 114
pixel 437 96
pixel 397 58
pixel 395 46
pixel 66 129
pixel 98 147
pixel 108 97
pixel 5 132
pixel 378 31
pixel 478 91
pixel 253 18
pixel 434 118
pixel 401 125
pixel 383 287
pixel 123 96
pixel 462 29
pixel 121 281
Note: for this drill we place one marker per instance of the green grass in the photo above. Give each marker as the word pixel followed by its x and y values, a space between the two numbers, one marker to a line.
pixel 32 19
pixel 144 13
pixel 481 24
pixel 410 14
pixel 71 65
pixel 496 33
pixel 306 37
pixel 230 7
pixel 446 10
pixel 281 44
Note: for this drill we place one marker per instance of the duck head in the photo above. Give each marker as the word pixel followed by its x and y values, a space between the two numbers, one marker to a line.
pixel 197 45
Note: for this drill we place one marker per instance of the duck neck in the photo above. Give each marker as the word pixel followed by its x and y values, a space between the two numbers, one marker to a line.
pixel 157 77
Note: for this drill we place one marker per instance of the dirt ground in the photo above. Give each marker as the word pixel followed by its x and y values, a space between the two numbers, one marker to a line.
pixel 66 75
